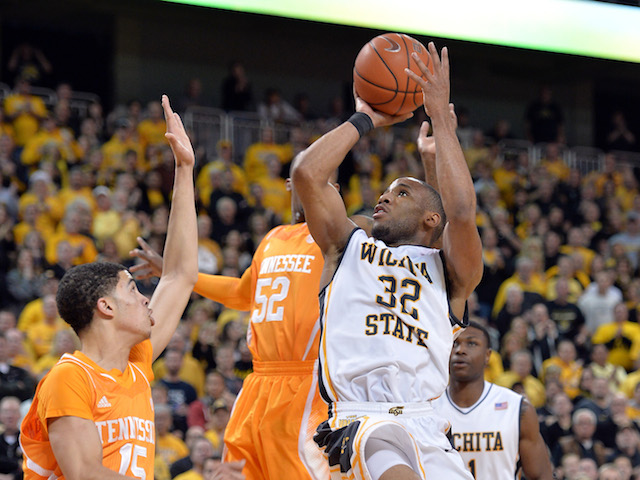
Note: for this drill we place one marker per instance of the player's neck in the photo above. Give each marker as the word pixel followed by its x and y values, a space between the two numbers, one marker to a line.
pixel 108 355
pixel 465 394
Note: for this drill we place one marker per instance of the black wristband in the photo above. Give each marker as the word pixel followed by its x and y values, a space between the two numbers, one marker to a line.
pixel 362 122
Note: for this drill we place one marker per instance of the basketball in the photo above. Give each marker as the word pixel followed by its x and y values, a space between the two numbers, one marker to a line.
pixel 379 77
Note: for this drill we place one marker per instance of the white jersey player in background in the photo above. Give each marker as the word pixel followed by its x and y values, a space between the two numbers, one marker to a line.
pixel 390 305
pixel 494 429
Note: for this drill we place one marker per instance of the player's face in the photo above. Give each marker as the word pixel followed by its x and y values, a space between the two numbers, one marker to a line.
pixel 469 356
pixel 399 212
pixel 133 306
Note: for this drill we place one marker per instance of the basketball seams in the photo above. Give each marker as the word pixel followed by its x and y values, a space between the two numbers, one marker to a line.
pixel 379 71
pixel 395 79
pixel 408 80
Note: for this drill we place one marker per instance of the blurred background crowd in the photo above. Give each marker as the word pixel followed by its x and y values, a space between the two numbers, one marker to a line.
pixel 560 226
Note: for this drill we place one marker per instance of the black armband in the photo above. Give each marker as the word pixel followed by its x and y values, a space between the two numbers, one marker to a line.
pixel 362 122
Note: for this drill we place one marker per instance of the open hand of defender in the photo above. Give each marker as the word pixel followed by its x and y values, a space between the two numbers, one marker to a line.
pixel 177 136
pixel 151 265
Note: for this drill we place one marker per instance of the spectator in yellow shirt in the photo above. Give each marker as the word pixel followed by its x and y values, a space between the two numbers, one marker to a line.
pixel 276 196
pixel 77 188
pixel 151 130
pixel 25 111
pixel 168 446
pixel 576 243
pixel 86 251
pixel 529 280
pixel 256 154
pixel 602 368
pixel 570 369
pixel 566 270
pixel 621 337
pixel 65 341
pixel 42 192
pixel 51 142
pixel 41 335
pixel 223 161
pixel 520 372
pixel 209 252
pixel 119 144
pixel 553 163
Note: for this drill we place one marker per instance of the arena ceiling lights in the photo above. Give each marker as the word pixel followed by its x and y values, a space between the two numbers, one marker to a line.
pixel 578 27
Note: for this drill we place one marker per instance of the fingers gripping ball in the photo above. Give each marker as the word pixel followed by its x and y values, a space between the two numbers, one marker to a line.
pixel 379 76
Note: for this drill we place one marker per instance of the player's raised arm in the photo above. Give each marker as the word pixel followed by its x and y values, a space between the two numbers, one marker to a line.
pixel 324 209
pixel 461 241
pixel 180 269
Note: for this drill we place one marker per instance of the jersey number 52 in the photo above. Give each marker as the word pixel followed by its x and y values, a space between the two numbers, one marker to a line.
pixel 268 300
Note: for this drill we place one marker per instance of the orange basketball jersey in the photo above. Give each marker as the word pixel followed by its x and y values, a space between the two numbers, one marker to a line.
pixel 281 289
pixel 119 403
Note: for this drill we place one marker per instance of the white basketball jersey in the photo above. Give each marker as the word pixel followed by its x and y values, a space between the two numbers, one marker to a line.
pixel 487 434
pixel 387 331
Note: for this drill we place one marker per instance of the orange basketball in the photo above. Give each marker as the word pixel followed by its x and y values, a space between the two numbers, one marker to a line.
pixel 379 75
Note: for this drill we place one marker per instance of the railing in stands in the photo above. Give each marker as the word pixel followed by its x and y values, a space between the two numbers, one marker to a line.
pixel 245 128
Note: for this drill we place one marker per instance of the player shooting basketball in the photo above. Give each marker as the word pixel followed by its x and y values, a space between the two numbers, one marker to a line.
pixel 390 305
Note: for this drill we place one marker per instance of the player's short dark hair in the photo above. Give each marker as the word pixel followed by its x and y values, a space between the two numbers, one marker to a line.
pixel 81 287
pixel 484 331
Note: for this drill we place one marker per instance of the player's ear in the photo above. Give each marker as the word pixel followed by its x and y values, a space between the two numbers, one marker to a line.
pixel 336 186
pixel 104 307
pixel 432 219
pixel 487 357
pixel 288 185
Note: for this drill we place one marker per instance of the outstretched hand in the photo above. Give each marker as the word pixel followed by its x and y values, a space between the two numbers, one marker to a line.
pixel 151 265
pixel 436 87
pixel 379 119
pixel 177 136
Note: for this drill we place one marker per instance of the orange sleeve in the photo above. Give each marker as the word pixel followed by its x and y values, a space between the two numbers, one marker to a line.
pixel 66 391
pixel 232 292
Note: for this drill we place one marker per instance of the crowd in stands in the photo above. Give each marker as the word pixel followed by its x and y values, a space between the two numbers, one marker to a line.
pixel 561 247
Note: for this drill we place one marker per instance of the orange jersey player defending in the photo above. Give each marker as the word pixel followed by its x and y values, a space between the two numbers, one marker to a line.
pixel 276 413
pixel 92 416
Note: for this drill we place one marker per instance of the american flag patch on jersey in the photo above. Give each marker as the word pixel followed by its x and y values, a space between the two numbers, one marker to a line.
pixel 501 405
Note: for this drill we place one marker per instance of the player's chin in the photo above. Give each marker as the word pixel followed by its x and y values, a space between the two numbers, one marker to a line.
pixel 379 228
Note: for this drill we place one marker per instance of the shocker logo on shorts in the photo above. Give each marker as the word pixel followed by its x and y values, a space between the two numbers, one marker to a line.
pixel 345 440
pixel 396 410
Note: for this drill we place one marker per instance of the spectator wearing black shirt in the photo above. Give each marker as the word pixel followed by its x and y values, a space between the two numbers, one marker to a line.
pixel 14 381
pixel 544 119
pixel 237 93
pixel 10 452
pixel 566 315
